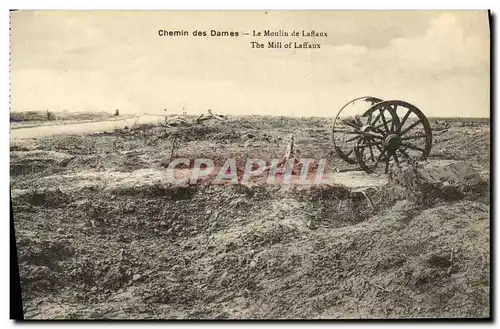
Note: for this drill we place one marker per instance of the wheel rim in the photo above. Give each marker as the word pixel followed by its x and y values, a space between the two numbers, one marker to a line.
pixel 343 133
pixel 408 139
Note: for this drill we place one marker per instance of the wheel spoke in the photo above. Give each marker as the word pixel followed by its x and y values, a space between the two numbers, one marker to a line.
pixel 350 132
pixel 352 138
pixel 387 159
pixel 371 153
pixel 395 109
pixel 351 124
pixel 370 134
pixel 369 120
pixel 378 130
pixel 385 123
pixel 372 144
pixel 404 120
pixel 376 119
pixel 413 125
pixel 413 147
pixel 350 152
pixel 396 159
pixel 379 158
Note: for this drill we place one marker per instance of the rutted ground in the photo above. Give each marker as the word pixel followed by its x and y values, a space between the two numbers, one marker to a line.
pixel 138 248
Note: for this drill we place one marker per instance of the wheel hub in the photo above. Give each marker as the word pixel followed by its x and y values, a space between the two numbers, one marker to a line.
pixel 392 142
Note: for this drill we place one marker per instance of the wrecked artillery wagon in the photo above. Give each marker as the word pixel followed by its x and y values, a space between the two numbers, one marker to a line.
pixel 388 133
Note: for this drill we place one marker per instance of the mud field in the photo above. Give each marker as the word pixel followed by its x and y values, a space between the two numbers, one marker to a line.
pixel 101 236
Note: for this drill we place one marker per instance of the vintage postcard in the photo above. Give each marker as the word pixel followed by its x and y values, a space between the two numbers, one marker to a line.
pixel 251 164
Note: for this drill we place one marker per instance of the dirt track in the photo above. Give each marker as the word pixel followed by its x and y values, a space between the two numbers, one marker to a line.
pixel 142 249
pixel 81 128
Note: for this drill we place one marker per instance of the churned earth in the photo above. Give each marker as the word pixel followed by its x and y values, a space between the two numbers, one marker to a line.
pixel 101 235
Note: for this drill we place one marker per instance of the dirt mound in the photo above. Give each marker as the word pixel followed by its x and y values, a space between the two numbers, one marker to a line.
pixel 72 144
pixel 463 144
pixel 42 198
pixel 432 182
pixel 27 162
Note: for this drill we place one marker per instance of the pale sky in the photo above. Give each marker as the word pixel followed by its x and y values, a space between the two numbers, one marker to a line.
pixel 102 60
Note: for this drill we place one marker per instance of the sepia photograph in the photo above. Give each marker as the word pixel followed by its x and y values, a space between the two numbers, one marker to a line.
pixel 251 164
